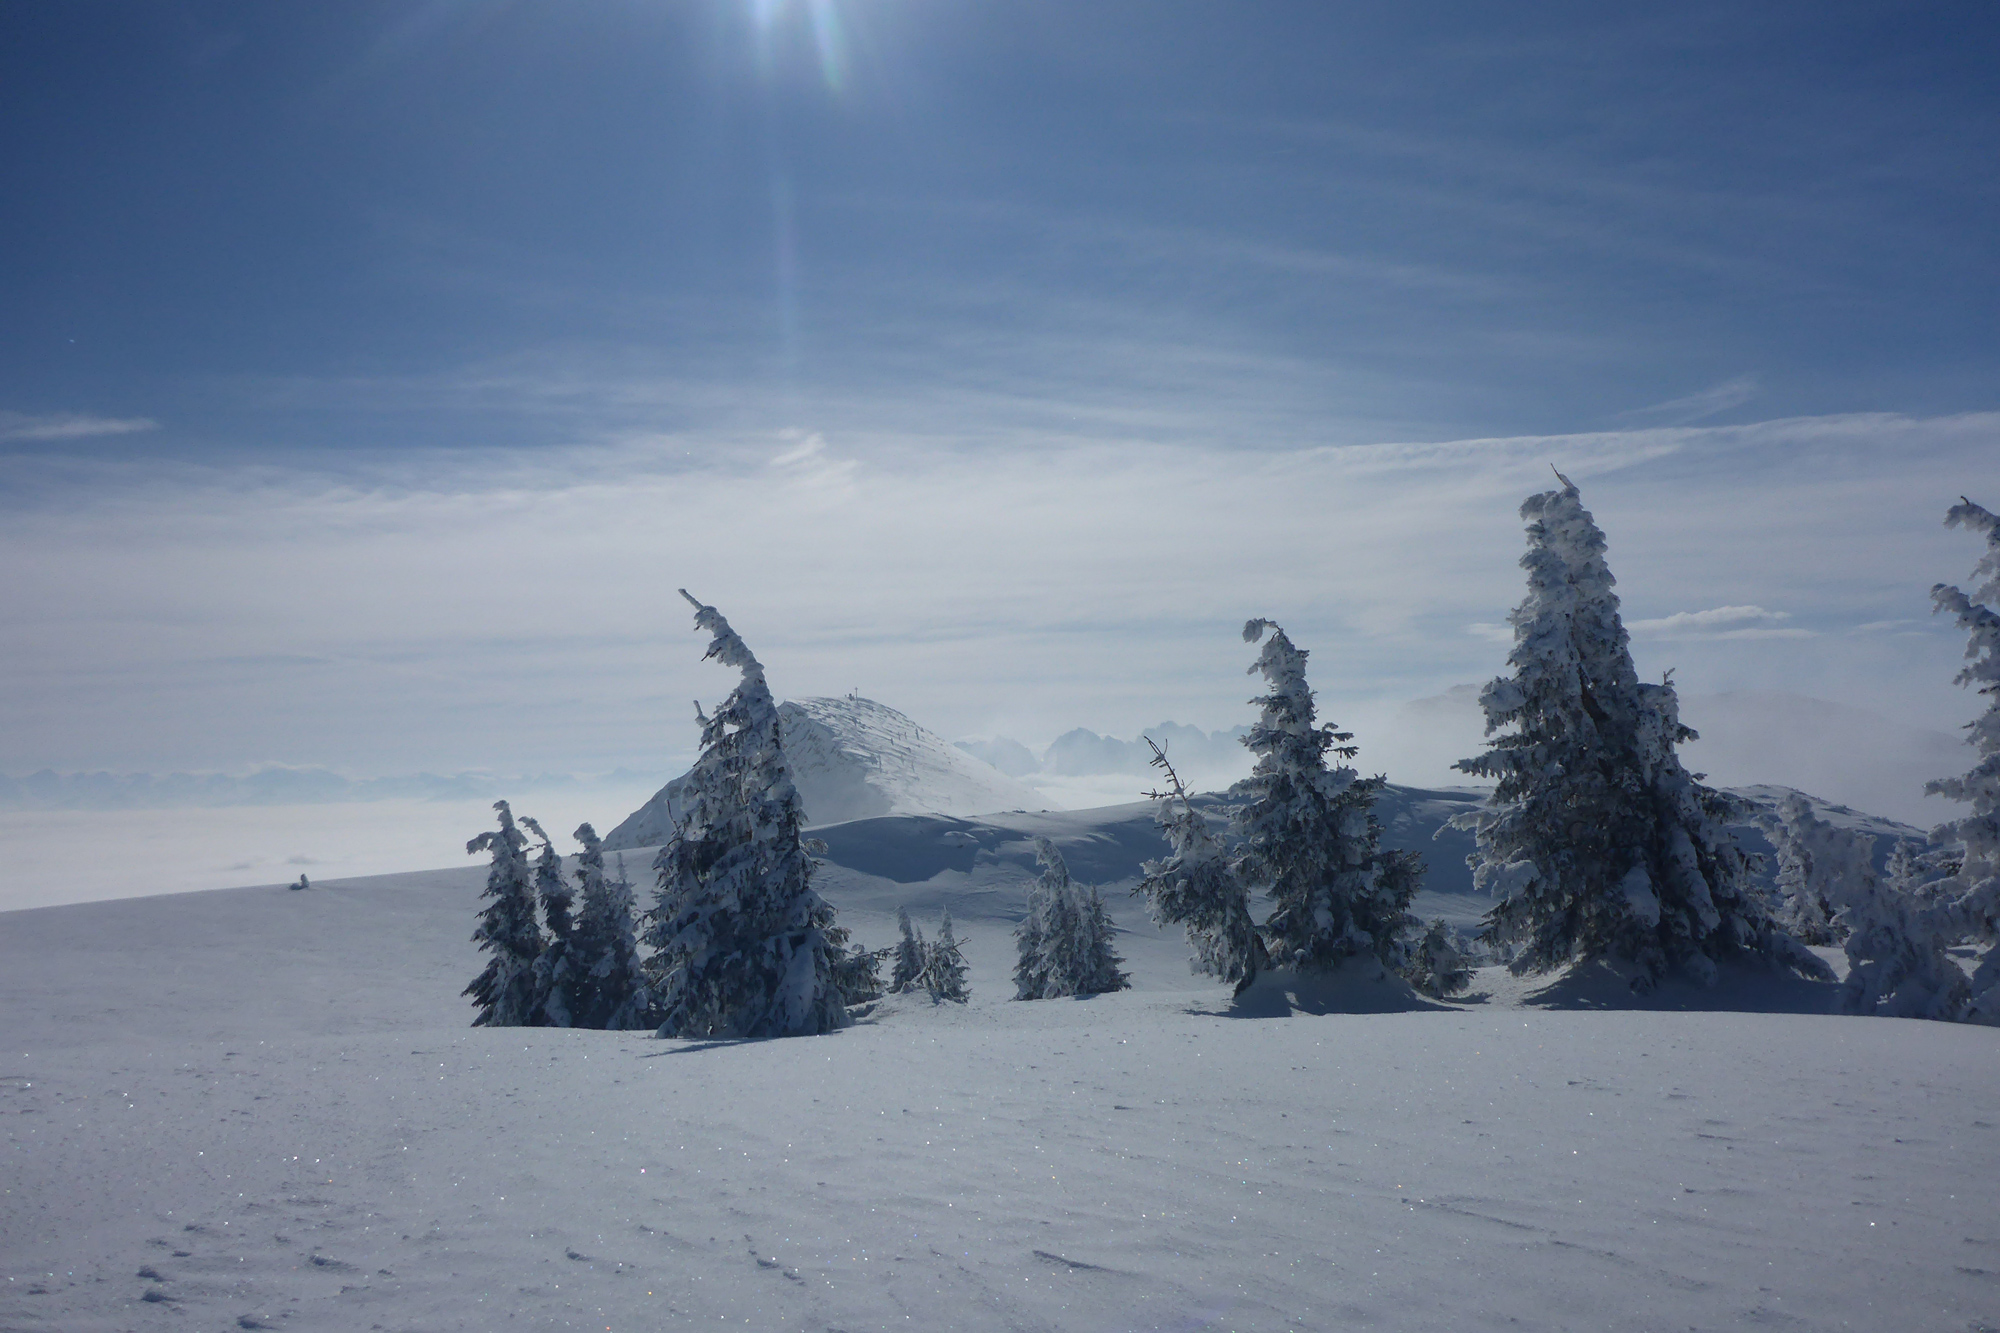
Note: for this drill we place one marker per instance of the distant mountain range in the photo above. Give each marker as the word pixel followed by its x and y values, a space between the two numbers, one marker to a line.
pixel 1083 752
pixel 858 759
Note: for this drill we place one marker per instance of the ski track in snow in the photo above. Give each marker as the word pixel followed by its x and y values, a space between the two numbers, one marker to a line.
pixel 256 1108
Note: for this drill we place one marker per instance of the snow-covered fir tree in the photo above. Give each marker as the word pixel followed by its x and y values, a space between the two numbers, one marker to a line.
pixel 1438 967
pixel 1815 859
pixel 1899 929
pixel 1030 969
pixel 1309 834
pixel 604 947
pixel 943 974
pixel 1196 888
pixel 556 975
pixel 908 966
pixel 504 992
pixel 1103 968
pixel 742 938
pixel 1064 941
pixel 1598 843
pixel 1975 885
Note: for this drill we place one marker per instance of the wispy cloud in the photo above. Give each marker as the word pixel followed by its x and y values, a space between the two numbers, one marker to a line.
pixel 1696 406
pixel 498 608
pixel 68 426
pixel 1721 622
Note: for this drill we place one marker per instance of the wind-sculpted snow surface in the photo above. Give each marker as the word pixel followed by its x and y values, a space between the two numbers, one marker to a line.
pixel 259 1109
pixel 853 758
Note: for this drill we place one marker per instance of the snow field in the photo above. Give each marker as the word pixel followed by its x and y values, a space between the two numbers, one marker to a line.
pixel 260 1108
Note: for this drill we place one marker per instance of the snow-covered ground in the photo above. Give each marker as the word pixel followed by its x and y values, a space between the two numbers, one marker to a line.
pixel 257 1108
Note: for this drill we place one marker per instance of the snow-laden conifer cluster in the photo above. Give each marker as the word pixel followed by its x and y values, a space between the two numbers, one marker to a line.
pixel 743 945
pixel 1900 928
pixel 1064 940
pixel 936 967
pixel 1598 842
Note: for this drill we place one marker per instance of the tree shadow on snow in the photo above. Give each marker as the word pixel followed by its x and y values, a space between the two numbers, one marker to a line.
pixel 1354 988
pixel 1739 987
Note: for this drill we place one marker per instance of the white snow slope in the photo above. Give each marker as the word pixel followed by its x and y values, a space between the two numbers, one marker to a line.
pixel 255 1108
pixel 853 758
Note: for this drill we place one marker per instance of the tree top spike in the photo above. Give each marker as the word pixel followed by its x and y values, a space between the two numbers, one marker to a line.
pixel 1567 483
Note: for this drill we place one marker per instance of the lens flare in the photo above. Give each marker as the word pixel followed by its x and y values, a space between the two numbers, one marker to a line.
pixel 828 34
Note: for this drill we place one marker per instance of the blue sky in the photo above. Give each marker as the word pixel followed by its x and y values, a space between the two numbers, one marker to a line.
pixel 370 375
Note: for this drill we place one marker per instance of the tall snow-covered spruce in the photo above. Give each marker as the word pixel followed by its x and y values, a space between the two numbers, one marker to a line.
pixel 1598 843
pixel 742 938
pixel 604 947
pixel 1976 883
pixel 1196 888
pixel 1309 834
pixel 504 992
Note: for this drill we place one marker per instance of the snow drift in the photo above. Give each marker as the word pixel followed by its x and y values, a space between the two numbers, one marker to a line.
pixel 254 1108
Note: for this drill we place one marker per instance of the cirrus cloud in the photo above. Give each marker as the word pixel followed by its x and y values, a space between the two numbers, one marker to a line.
pixel 68 426
pixel 1721 622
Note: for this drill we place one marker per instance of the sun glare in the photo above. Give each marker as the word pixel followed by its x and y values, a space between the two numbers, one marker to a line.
pixel 828 36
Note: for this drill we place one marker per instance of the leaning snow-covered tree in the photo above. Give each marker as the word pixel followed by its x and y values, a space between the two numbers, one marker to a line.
pixel 556 975
pixel 1065 938
pixel 604 947
pixel 1976 883
pixel 504 992
pixel 742 937
pixel 1598 843
pixel 1309 834
pixel 909 956
pixel 1197 889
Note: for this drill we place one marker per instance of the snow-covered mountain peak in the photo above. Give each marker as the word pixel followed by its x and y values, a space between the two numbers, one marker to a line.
pixel 853 758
